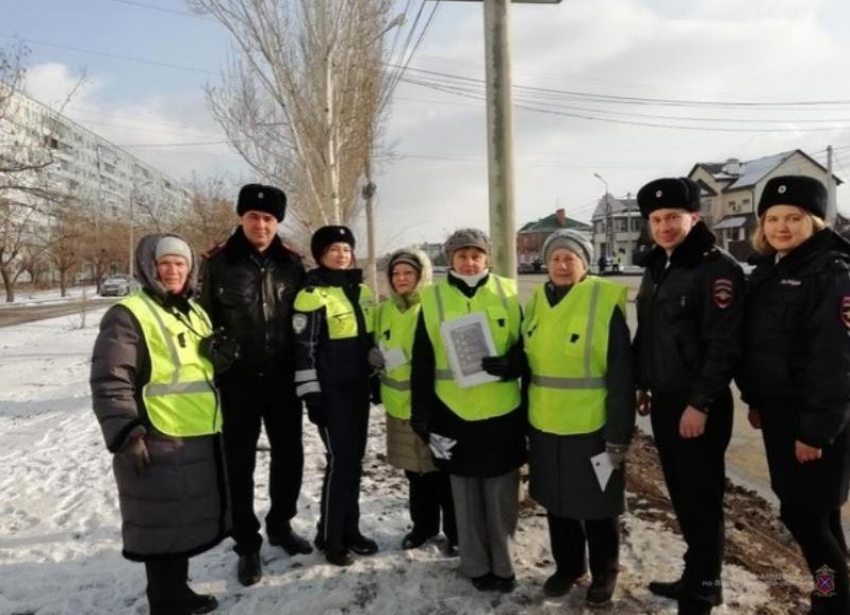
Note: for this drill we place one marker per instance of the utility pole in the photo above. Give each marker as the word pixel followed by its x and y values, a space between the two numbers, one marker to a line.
pixel 369 198
pixel 131 231
pixel 831 208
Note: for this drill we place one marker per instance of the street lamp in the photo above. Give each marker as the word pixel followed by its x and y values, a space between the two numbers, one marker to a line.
pixel 609 227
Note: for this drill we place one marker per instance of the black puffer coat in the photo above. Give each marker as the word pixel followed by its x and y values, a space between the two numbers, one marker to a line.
pixel 251 296
pixel 796 366
pixel 689 320
pixel 179 507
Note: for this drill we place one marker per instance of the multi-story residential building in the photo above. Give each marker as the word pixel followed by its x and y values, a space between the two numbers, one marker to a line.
pixel 86 167
pixel 732 189
pixel 618 228
pixel 530 237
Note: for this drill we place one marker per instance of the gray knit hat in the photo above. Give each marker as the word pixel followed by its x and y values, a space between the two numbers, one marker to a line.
pixel 408 258
pixel 466 238
pixel 169 245
pixel 571 240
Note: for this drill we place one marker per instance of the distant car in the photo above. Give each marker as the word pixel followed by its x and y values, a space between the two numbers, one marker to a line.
pixel 117 286
pixel 440 269
pixel 525 268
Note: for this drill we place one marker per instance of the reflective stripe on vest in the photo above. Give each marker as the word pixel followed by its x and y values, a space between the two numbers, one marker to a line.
pixel 341 317
pixel 396 329
pixel 180 399
pixel 497 298
pixel 567 350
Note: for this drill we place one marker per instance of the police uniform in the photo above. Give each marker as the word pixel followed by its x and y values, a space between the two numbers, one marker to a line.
pixel 689 310
pixel 487 420
pixel 796 374
pixel 333 325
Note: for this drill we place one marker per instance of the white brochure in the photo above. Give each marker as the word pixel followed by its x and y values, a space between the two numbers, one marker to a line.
pixel 603 468
pixel 468 340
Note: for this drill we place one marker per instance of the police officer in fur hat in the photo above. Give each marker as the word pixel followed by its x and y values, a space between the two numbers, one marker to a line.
pixel 689 307
pixel 249 286
pixel 794 375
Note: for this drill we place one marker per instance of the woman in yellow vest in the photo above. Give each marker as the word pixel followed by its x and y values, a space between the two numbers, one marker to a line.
pixel 581 414
pixel 333 333
pixel 430 493
pixel 152 391
pixel 474 423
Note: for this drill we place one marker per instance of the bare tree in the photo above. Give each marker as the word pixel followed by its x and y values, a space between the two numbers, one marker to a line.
pixel 209 219
pixel 302 96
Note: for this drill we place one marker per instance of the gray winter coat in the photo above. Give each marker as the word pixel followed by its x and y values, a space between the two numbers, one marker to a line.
pixel 179 506
pixel 561 477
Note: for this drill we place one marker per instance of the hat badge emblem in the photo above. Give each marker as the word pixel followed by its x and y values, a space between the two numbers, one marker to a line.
pixel 659 194
pixel 782 189
pixel 260 195
pixel 341 232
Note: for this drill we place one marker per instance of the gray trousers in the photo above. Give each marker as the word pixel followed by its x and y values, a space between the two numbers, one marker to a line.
pixel 486 511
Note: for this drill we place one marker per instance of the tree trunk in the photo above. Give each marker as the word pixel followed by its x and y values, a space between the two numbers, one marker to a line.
pixel 8 284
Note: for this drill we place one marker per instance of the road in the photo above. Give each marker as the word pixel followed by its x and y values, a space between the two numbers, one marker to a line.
pixel 15 315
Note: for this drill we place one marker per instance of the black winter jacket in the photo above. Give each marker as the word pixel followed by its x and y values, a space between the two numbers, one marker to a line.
pixel 689 320
pixel 251 295
pixel 797 337
pixel 484 449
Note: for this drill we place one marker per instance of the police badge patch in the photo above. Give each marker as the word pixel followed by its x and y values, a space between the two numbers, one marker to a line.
pixel 825 581
pixel 723 293
pixel 845 311
pixel 299 322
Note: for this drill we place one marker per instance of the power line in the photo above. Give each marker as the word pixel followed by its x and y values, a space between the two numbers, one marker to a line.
pixel 159 8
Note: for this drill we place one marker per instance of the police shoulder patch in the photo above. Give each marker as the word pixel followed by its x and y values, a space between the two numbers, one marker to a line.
pixel 299 322
pixel 723 293
pixel 845 311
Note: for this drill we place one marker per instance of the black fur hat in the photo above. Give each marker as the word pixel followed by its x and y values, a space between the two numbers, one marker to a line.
pixel 804 192
pixel 669 192
pixel 257 197
pixel 327 235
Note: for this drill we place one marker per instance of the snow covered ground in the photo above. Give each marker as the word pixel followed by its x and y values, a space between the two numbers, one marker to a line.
pixel 50 297
pixel 59 521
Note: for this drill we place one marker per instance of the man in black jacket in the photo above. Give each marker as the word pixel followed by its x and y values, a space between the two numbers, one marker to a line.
pixel 689 320
pixel 249 286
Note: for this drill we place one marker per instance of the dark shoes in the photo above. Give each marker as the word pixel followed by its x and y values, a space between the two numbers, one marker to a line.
pixel 672 590
pixel 201 603
pixel 491 582
pixel 338 557
pixel 451 549
pixel 694 606
pixel 290 542
pixel 250 569
pixel 560 584
pixel 601 590
pixel 414 539
pixel 362 545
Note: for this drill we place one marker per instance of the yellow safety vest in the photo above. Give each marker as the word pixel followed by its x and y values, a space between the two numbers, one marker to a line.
pixel 567 350
pixel 497 299
pixel 396 329
pixel 180 398
pixel 342 321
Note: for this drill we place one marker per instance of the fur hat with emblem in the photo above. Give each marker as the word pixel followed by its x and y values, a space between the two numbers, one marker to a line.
pixel 257 197
pixel 669 193
pixel 328 235
pixel 798 190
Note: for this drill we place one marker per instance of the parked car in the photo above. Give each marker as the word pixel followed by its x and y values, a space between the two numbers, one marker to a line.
pixel 117 286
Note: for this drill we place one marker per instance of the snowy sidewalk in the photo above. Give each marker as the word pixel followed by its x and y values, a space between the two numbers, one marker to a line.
pixel 59 521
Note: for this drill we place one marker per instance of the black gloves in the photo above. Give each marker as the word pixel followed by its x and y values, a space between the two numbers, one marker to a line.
pixel 134 454
pixel 375 390
pixel 222 351
pixel 315 403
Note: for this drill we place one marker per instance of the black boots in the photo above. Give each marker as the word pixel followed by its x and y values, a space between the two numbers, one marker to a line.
pixel 290 542
pixel 249 570
pixel 414 539
pixel 601 590
pixel 560 584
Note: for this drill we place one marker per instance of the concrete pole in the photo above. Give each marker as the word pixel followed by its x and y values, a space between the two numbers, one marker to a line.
pixel 831 207
pixel 131 233
pixel 500 162
pixel 369 197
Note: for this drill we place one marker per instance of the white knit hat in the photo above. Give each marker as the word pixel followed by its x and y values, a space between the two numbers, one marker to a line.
pixel 170 245
pixel 571 240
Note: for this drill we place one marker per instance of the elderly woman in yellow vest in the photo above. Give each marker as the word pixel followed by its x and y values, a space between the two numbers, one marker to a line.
pixel 581 414
pixel 153 396
pixel 430 493
pixel 333 324
pixel 474 422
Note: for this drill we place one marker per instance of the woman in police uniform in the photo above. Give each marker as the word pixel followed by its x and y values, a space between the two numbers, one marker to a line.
pixel 152 392
pixel 484 424
pixel 333 332
pixel 408 272
pixel 580 405
pixel 795 375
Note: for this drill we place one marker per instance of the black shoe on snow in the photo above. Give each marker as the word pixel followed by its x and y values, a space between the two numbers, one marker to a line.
pixel 694 606
pixel 484 583
pixel 201 603
pixel 560 584
pixel 338 556
pixel 362 545
pixel 504 584
pixel 601 591
pixel 250 569
pixel 672 589
pixel 414 539
pixel 290 542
